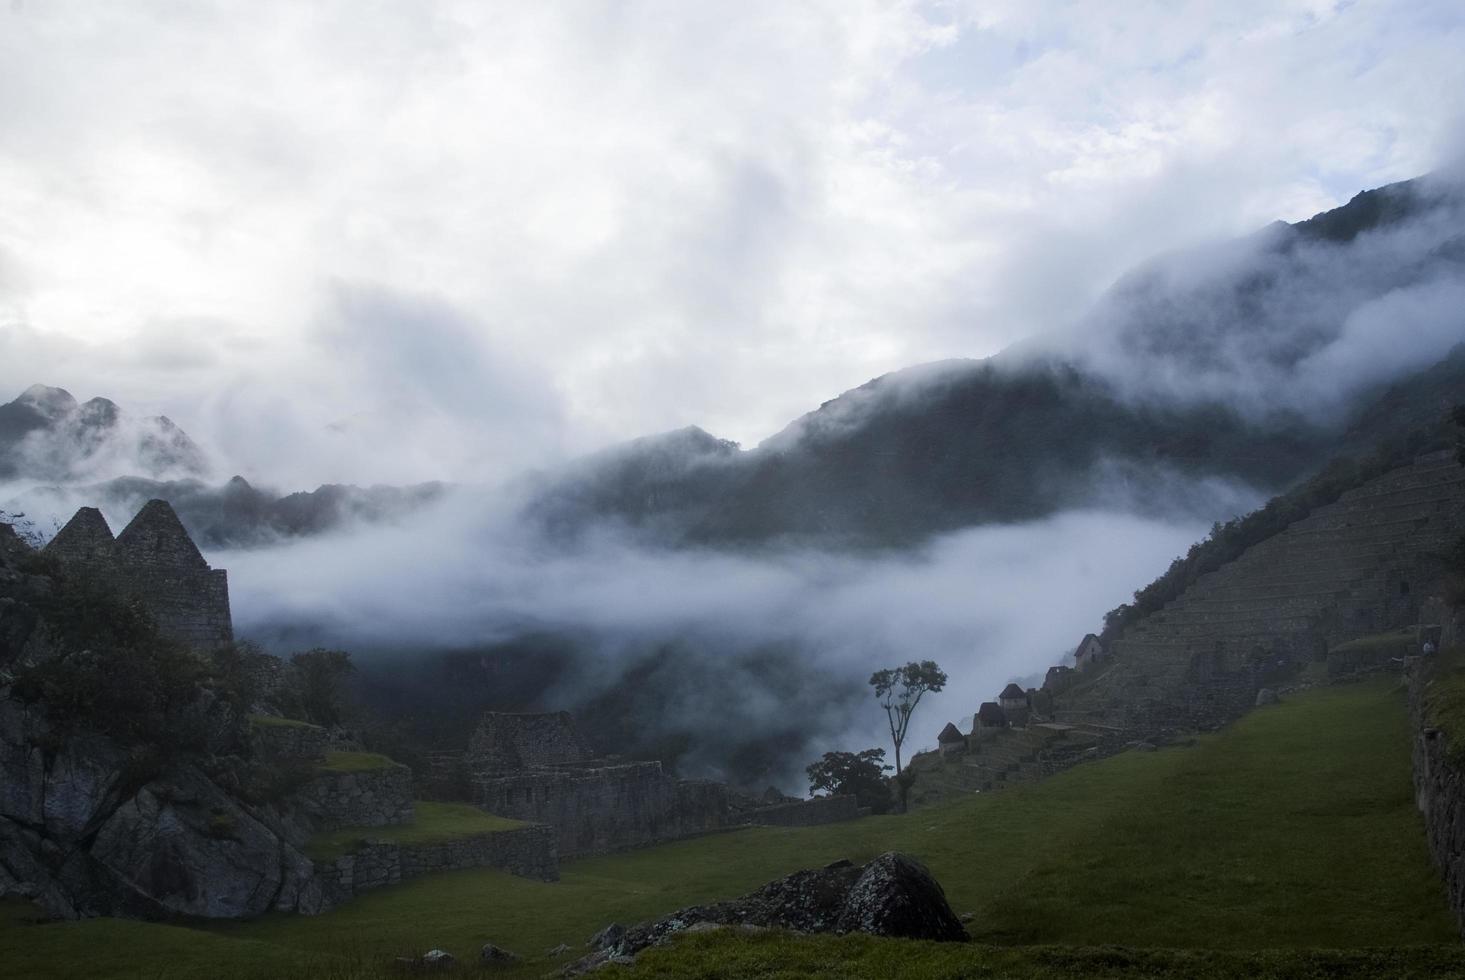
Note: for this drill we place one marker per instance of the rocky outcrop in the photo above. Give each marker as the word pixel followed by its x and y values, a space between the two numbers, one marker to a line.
pixel 86 829
pixel 894 895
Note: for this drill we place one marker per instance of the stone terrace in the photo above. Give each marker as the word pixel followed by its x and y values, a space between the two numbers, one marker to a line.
pixel 1351 568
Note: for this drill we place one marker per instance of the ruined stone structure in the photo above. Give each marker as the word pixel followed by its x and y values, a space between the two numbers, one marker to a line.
pixel 154 561
pixel 1356 567
pixel 506 742
pixel 1059 679
pixel 526 851
pixel 536 767
pixel 380 797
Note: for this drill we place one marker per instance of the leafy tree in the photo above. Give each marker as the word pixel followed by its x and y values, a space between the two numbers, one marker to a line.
pixel 318 677
pixel 899 690
pixel 860 774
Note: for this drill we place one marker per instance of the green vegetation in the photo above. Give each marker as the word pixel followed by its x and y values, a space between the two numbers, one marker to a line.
pixel 1397 643
pixel 1291 830
pixel 356 762
pixel 434 823
pixel 730 955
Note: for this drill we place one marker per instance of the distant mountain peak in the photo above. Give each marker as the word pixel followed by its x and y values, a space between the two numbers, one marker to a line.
pixel 47 437
pixel 50 402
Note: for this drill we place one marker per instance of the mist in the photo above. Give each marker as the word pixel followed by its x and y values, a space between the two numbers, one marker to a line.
pixel 989 604
pixel 1286 319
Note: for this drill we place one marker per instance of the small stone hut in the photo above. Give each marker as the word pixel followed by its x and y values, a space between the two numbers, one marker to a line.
pixel 988 719
pixel 1089 653
pixel 950 740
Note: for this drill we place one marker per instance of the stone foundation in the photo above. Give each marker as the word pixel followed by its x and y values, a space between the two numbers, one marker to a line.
pixel 597 809
pixel 528 852
pixel 369 798
pixel 300 741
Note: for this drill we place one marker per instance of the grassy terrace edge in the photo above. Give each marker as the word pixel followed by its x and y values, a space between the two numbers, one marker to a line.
pixel 435 823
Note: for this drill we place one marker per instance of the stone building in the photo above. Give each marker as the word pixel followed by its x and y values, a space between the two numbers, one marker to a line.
pixel 950 740
pixel 536 767
pixel 154 561
pixel 1090 652
pixel 988 719
pixel 1059 679
pixel 1015 705
pixel 507 742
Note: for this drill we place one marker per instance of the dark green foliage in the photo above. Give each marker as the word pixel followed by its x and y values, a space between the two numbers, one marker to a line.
pixel 860 774
pixel 111 671
pixel 899 690
pixel 316 684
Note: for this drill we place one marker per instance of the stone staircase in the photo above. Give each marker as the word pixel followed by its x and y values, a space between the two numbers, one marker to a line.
pixel 1358 566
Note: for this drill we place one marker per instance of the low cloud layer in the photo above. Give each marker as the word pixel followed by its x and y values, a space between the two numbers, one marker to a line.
pixel 989 604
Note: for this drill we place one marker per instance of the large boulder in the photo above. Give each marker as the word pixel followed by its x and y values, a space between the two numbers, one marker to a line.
pixel 894 895
pixel 181 843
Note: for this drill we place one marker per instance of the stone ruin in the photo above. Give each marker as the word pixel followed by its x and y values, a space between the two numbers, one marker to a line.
pixel 155 562
pixel 537 767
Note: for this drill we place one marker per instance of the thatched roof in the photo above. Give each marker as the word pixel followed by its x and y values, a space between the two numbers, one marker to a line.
pixel 950 734
pixel 991 715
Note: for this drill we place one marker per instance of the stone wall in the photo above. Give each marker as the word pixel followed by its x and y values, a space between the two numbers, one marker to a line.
pixel 508 742
pixel 368 798
pixel 289 741
pixel 155 561
pixel 597 809
pixel 1439 791
pixel 807 813
pixel 528 852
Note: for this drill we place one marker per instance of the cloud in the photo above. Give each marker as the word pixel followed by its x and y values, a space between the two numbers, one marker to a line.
pixel 989 604
pixel 664 214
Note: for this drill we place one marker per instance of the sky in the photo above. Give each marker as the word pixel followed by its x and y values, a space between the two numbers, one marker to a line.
pixel 375 241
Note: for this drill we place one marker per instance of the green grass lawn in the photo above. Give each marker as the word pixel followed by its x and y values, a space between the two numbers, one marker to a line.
pixel 1293 829
pixel 435 822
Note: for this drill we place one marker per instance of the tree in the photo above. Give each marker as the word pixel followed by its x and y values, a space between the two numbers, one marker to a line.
pixel 899 690
pixel 319 677
pixel 859 774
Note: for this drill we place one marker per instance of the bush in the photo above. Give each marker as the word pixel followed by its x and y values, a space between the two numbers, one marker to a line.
pixel 860 774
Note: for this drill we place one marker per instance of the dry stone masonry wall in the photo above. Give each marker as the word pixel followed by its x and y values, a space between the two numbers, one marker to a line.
pixel 154 561
pixel 1439 790
pixel 527 851
pixel 367 798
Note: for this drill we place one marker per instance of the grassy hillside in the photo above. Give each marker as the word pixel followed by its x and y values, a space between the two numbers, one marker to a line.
pixel 1293 829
